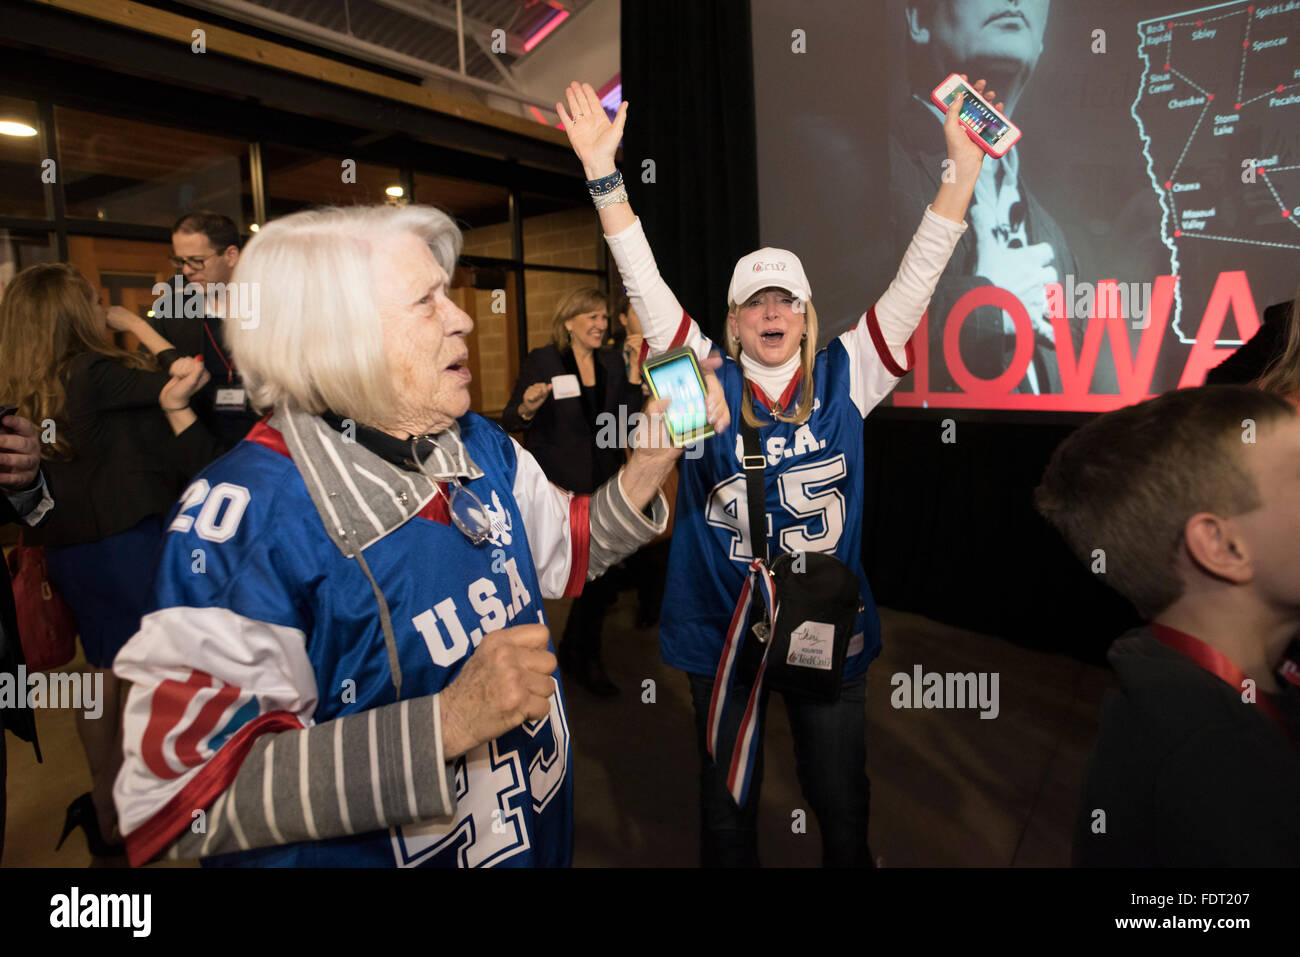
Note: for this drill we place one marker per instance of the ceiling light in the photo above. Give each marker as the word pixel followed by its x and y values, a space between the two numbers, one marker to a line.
pixel 14 128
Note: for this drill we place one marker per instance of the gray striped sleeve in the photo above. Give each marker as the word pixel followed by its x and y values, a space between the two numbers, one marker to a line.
pixel 618 528
pixel 363 772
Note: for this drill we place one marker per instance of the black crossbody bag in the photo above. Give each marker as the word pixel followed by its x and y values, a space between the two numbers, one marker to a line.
pixel 817 605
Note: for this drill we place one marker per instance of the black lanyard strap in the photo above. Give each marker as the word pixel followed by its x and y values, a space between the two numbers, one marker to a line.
pixel 754 462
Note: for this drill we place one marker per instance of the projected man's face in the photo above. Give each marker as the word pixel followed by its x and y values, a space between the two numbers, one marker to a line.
pixel 965 31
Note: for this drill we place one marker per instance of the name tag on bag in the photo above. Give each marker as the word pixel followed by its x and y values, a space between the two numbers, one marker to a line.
pixel 812 645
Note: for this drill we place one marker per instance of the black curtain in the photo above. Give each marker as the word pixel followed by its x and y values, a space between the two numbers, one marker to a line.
pixel 949 531
pixel 688 78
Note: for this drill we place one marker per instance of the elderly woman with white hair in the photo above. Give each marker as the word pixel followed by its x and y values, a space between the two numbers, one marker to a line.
pixel 347 662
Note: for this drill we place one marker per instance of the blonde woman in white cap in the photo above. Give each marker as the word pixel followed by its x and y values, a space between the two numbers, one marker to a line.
pixel 807 405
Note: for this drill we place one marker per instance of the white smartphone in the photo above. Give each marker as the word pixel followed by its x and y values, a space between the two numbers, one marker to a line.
pixel 993 132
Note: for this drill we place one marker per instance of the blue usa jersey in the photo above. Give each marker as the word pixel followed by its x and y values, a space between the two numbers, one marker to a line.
pixel 259 620
pixel 813 480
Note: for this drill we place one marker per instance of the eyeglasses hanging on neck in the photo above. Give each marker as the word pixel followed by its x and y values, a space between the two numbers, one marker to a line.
pixel 467 511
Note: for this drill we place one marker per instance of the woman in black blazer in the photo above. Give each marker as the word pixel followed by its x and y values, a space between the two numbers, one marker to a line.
pixel 562 434
pixel 115 464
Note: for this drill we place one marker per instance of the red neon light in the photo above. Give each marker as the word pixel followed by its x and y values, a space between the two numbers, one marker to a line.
pixel 546 29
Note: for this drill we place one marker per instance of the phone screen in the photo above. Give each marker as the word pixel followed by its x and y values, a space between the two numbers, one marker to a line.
pixel 983 121
pixel 678 380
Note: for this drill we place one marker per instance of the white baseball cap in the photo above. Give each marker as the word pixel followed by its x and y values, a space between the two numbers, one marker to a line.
pixel 768 267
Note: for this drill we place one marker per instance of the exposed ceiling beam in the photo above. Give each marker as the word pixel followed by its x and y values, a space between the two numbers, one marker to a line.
pixel 437 15
pixel 495 60
pixel 353 46
pixel 478 30
pixel 460 35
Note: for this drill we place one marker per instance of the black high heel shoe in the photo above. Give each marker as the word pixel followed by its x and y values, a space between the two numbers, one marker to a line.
pixel 81 814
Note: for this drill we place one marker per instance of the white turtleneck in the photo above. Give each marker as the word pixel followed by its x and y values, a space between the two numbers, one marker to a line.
pixel 773 380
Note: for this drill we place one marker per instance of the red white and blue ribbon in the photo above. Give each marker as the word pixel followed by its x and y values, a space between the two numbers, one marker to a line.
pixel 743 758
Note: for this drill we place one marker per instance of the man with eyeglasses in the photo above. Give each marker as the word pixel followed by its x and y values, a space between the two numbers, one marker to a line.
pixel 205 248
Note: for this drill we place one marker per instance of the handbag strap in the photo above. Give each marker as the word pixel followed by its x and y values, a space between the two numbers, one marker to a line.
pixel 754 462
pixel 759 578
pixel 740 769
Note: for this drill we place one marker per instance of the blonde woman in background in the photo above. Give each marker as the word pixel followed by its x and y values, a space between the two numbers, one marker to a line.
pixel 563 432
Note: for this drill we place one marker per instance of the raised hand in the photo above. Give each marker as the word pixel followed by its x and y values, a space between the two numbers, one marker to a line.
pixel 535 397
pixel 962 148
pixel 121 319
pixel 653 455
pixel 591 134
pixel 955 192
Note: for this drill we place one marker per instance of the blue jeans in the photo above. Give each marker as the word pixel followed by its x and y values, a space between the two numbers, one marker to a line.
pixel 830 753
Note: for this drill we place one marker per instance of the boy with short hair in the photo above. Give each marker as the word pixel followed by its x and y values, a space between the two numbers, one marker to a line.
pixel 1189 504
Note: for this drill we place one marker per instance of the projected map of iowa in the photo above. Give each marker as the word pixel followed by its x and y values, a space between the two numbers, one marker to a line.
pixel 1218 113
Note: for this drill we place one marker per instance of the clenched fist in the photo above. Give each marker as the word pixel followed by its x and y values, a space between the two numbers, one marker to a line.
pixel 505 682
pixel 188 376
pixel 20 453
pixel 534 396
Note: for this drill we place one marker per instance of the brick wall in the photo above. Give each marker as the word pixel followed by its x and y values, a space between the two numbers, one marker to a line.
pixel 568 238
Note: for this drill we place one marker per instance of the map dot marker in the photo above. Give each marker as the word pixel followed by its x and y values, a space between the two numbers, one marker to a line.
pixel 1200 23
pixel 1169 184
pixel 1177 233
pixel 1238 106
pixel 1280 88
pixel 1166 67
pixel 1286 213
pixel 1210 97
pixel 1245 44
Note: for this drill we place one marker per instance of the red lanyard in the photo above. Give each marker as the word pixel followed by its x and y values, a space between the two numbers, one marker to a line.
pixel 1218 664
pixel 230 370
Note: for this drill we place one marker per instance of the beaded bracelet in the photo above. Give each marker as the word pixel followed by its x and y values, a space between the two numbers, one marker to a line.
pixel 610 199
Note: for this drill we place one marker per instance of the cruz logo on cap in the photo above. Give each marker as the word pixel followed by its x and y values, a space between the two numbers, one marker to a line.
pixel 754 272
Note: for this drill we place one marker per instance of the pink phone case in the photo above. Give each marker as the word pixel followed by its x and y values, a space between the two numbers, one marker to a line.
pixel 979 141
